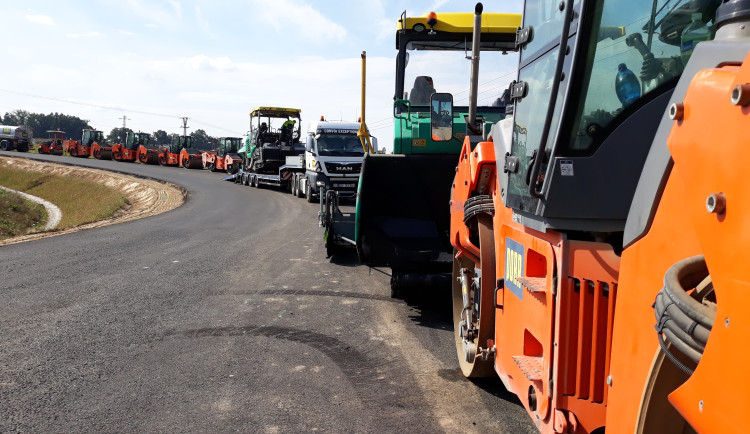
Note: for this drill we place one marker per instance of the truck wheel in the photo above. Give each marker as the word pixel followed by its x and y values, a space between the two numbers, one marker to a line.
pixel 300 192
pixel 4 145
pixel 309 194
pixel 483 326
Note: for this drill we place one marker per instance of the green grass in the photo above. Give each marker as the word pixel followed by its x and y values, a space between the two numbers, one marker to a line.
pixel 19 216
pixel 80 201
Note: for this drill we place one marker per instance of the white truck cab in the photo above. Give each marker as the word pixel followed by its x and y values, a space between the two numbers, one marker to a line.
pixel 333 157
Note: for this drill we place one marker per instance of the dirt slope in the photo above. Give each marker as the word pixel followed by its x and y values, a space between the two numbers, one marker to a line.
pixel 146 197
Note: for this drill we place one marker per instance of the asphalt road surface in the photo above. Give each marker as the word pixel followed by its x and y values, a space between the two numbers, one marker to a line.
pixel 224 315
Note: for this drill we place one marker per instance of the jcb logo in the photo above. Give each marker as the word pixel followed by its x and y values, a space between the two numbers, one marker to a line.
pixel 514 254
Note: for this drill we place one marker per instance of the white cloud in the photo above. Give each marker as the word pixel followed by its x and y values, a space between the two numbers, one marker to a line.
pixel 84 35
pixel 154 13
pixel 125 32
pixel 300 18
pixel 205 63
pixel 41 19
pixel 203 23
pixel 151 25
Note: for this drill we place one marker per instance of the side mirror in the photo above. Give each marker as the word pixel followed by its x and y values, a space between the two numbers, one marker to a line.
pixel 441 117
pixel 309 144
pixel 374 143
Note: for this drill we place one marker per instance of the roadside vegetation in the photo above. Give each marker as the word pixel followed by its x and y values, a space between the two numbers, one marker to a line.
pixel 80 201
pixel 19 216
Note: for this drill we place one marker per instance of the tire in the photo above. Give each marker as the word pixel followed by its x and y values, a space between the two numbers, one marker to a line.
pixel 4 145
pixel 473 366
pixel 309 194
pixel 299 188
pixel 73 152
pixel 212 167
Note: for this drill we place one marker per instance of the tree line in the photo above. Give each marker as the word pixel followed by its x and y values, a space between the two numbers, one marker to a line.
pixel 73 127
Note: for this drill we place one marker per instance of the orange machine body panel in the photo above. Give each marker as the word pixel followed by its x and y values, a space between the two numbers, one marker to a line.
pixel 76 149
pixel 167 158
pixel 554 310
pixel 121 153
pixel 557 345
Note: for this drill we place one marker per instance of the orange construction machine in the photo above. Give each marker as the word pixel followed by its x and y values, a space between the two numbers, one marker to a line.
pixel 53 145
pixel 129 150
pixel 598 232
pixel 169 155
pixel 225 158
pixel 100 149
pixel 83 148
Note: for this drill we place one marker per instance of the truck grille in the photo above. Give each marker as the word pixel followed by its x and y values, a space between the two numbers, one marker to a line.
pixel 343 168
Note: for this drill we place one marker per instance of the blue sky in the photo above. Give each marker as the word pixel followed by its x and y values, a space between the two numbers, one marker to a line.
pixel 212 61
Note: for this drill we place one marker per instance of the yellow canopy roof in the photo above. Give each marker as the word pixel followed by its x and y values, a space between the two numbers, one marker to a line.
pixel 275 111
pixel 463 22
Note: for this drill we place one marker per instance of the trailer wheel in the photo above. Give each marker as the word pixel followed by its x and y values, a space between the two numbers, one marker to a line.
pixel 483 303
pixel 4 145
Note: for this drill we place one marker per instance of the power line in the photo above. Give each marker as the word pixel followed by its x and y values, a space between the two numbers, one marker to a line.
pixel 108 107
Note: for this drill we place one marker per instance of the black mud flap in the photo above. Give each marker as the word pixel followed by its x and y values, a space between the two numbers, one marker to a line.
pixel 403 215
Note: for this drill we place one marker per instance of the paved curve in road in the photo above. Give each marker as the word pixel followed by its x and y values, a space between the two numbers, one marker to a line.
pixel 224 315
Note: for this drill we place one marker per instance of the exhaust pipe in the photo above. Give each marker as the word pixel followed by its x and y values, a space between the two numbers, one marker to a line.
pixel 471 122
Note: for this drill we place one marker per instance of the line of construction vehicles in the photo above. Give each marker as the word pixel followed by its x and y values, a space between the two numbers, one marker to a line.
pixel 590 220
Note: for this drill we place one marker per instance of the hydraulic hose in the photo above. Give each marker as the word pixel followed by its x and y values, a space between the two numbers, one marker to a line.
pixel 481 204
pixel 684 320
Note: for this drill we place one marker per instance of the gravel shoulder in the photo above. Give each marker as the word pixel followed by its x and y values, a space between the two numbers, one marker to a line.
pixel 146 197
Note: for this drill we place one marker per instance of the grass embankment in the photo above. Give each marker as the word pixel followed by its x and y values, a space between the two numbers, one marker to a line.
pixel 18 215
pixel 80 201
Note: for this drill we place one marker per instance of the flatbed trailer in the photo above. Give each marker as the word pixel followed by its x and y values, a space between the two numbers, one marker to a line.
pixel 282 179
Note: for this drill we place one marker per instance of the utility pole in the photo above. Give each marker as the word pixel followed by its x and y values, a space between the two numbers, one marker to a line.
pixel 124 120
pixel 184 126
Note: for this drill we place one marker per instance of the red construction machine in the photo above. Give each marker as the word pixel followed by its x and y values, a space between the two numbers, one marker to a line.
pixel 169 155
pixel 53 145
pixel 598 232
pixel 128 151
pixel 225 158
pixel 191 158
pixel 100 149
pixel 83 148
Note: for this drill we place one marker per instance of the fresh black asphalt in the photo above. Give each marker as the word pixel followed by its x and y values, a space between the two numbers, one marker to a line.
pixel 223 315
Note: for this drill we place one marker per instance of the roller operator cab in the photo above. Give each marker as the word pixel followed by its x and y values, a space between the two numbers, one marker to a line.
pixel 333 157
pixel 400 213
pixel 592 235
